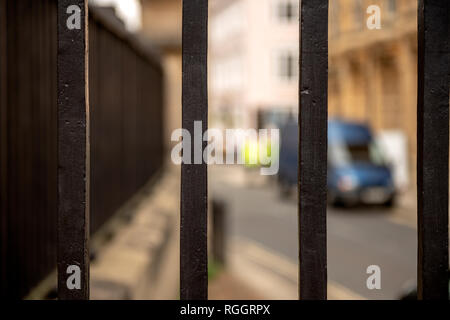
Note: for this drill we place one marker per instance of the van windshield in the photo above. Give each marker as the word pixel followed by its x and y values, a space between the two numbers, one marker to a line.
pixel 341 154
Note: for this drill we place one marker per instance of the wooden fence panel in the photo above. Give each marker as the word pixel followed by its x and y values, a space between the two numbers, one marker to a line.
pixel 28 131
pixel 3 145
pixel 28 143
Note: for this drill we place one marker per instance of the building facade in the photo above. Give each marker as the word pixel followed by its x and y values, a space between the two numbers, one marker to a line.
pixel 253 54
pixel 373 71
pixel 253 63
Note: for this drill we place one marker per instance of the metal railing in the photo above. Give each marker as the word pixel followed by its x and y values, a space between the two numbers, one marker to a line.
pixel 433 139
pixel 29 148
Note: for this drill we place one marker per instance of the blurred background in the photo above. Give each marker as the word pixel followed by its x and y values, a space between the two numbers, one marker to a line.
pixel 372 143
pixel 253 83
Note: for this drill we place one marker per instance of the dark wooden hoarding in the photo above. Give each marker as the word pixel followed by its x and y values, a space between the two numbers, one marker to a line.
pixel 3 145
pixel 126 131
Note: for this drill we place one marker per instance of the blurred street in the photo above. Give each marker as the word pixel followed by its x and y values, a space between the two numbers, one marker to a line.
pixel 262 233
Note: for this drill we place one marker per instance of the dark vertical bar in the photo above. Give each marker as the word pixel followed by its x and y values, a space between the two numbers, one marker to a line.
pixel 312 176
pixel 193 251
pixel 24 154
pixel 432 148
pixel 53 131
pixel 13 147
pixel 219 231
pixel 3 150
pixel 93 98
pixel 35 111
pixel 73 152
pixel 45 100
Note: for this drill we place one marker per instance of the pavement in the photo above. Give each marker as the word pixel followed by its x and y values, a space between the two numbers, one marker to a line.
pixel 226 286
pixel 263 249
pixel 141 261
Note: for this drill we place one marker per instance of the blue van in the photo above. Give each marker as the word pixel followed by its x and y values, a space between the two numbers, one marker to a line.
pixel 357 170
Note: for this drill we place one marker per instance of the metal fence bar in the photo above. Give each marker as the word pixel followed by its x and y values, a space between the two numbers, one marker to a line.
pixel 73 151
pixel 432 148
pixel 193 237
pixel 312 176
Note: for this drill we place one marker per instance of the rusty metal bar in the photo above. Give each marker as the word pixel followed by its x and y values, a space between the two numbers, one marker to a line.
pixel 193 232
pixel 432 148
pixel 312 175
pixel 73 150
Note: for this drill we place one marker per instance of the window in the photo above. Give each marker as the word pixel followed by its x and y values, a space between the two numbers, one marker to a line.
pixel 392 6
pixel 287 10
pixel 341 154
pixel 334 18
pixel 358 14
pixel 228 23
pixel 227 74
pixel 287 65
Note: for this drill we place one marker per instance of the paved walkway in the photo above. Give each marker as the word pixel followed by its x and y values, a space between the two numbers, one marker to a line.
pixel 141 260
pixel 226 286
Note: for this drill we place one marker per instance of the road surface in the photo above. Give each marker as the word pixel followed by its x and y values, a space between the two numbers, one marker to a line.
pixel 357 238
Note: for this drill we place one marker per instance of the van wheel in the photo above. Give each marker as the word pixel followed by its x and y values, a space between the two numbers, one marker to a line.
pixel 390 202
